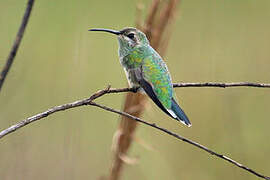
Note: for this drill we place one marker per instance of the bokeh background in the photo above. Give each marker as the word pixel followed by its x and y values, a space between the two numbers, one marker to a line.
pixel 59 61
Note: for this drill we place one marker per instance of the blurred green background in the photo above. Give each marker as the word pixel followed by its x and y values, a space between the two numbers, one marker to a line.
pixel 59 61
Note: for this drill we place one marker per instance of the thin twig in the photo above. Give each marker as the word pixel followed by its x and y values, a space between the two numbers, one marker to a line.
pixel 16 43
pixel 223 85
pixel 61 108
pixel 89 101
pixel 209 84
pixel 120 90
pixel 204 148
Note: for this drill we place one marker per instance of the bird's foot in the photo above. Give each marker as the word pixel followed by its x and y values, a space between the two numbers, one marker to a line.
pixel 136 89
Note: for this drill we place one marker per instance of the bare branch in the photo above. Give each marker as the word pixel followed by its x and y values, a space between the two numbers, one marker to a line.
pixel 89 101
pixel 223 85
pixel 204 148
pixel 120 90
pixel 59 108
pixel 16 43
pixel 205 84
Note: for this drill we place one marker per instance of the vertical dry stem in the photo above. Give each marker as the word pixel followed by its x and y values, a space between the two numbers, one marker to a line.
pixel 156 24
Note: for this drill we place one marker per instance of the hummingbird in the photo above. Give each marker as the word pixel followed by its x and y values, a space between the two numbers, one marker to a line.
pixel 146 70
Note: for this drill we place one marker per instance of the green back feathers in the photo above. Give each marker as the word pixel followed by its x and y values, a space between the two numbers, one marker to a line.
pixel 160 79
pixel 154 70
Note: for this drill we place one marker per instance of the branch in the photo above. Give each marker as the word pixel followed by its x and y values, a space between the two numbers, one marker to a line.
pixel 223 85
pixel 16 43
pixel 59 108
pixel 120 90
pixel 89 101
pixel 153 125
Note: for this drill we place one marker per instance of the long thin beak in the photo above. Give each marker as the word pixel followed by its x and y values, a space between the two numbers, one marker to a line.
pixel 107 30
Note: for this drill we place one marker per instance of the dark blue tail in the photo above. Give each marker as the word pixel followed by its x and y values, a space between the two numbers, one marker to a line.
pixel 181 116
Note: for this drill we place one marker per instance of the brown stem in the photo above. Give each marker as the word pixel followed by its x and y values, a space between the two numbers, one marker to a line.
pixel 135 103
pixel 149 22
pixel 166 15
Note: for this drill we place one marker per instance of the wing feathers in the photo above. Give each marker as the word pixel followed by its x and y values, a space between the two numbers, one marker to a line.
pixel 150 92
pixel 175 111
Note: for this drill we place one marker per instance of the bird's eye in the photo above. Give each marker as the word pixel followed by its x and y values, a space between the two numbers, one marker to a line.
pixel 131 35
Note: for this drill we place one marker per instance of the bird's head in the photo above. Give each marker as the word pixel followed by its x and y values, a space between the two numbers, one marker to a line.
pixel 132 37
pixel 129 38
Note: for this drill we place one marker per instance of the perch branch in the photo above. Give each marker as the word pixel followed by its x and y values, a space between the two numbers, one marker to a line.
pixel 120 90
pixel 89 101
pixel 223 85
pixel 16 43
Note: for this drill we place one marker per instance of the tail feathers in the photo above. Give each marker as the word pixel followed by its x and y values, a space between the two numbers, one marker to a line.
pixel 179 114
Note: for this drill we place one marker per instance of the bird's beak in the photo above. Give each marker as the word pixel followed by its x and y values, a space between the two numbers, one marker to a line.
pixel 107 30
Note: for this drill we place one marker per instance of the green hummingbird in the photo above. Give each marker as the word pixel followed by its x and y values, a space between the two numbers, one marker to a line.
pixel 145 69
